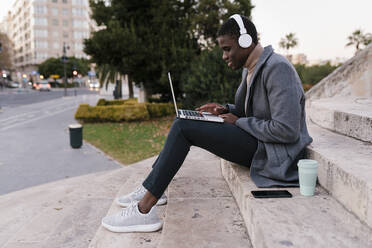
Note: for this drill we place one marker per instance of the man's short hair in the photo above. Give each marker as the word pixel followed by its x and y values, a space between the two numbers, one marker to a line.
pixel 230 27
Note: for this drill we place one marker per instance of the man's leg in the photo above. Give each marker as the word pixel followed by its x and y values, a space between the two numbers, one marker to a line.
pixel 225 140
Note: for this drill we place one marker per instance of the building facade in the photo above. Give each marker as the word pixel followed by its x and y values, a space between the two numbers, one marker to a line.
pixel 39 29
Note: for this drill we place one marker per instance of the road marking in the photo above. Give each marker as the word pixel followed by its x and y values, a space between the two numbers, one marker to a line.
pixel 42 116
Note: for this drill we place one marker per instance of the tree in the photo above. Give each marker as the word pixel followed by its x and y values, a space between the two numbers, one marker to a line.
pixel 108 74
pixel 289 41
pixel 311 75
pixel 210 80
pixel 5 58
pixel 54 66
pixel 146 39
pixel 209 15
pixel 357 39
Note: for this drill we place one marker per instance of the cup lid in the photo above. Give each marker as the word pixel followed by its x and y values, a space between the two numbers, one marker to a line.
pixel 75 126
pixel 308 163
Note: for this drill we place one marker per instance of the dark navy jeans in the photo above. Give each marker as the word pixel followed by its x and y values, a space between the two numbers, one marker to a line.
pixel 224 140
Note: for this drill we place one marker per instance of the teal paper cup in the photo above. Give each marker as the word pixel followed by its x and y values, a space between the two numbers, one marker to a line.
pixel 308 173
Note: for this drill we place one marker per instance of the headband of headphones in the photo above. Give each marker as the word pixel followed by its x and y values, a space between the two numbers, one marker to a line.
pixel 245 40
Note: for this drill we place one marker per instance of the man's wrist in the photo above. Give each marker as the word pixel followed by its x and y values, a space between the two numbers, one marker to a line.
pixel 227 108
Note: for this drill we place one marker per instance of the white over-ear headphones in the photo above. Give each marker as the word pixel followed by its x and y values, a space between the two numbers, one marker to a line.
pixel 245 40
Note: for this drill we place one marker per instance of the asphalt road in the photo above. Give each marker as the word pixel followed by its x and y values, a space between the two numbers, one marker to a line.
pixel 18 97
pixel 34 141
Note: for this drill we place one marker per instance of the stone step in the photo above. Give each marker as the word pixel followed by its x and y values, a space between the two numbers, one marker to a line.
pixel 347 115
pixel 65 213
pixel 106 239
pixel 318 221
pixel 201 210
pixel 345 169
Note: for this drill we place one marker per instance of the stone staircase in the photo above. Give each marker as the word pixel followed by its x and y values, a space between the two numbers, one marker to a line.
pixel 339 118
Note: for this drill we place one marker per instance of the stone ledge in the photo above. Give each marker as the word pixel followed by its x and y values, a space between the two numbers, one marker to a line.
pixel 344 169
pixel 318 221
pixel 57 214
pixel 201 210
pixel 349 116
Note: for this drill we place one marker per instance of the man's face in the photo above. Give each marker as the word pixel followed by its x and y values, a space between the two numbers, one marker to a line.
pixel 233 54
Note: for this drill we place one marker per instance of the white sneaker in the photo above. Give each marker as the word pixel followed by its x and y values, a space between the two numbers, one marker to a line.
pixel 135 196
pixel 130 219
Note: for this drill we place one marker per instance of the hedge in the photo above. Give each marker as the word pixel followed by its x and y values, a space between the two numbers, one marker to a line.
pixel 104 102
pixel 128 111
pixel 160 109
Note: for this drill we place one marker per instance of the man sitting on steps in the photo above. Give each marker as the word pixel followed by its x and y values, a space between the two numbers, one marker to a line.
pixel 265 129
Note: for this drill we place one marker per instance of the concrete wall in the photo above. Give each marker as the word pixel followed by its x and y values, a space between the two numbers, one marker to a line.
pixel 353 78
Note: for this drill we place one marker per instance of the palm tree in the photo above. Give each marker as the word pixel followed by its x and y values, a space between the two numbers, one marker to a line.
pixel 357 38
pixel 108 74
pixel 289 41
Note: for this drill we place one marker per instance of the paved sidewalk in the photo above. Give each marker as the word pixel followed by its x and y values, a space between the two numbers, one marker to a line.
pixel 35 149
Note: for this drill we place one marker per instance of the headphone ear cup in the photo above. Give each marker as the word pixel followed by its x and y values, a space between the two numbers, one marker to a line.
pixel 245 40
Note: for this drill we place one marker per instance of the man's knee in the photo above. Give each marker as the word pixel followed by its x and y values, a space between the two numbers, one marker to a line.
pixel 179 124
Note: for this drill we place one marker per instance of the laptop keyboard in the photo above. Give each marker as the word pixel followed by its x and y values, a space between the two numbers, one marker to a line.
pixel 192 113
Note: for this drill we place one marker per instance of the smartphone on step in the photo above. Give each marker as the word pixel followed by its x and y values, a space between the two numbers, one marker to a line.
pixel 271 194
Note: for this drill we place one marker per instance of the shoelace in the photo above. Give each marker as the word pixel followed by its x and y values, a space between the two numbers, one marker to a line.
pixel 130 210
pixel 139 190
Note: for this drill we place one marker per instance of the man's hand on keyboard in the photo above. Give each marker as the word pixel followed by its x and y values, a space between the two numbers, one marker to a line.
pixel 229 118
pixel 213 108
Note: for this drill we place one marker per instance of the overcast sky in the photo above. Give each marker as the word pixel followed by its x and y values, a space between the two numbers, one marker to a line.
pixel 321 26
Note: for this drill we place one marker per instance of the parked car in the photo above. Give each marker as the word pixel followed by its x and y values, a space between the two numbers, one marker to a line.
pixel 94 85
pixel 13 84
pixel 42 86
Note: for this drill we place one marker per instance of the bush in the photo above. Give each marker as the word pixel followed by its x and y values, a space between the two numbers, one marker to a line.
pixel 122 110
pixel 113 113
pixel 104 102
pixel 160 109
pixel 313 74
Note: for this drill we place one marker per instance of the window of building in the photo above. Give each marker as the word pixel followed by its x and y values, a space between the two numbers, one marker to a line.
pixel 54 1
pixel 41 44
pixel 78 46
pixel 65 23
pixel 55 33
pixel 55 22
pixel 41 33
pixel 80 35
pixel 80 24
pixel 41 55
pixel 80 2
pixel 55 11
pixel 65 12
pixel 55 45
pixel 41 21
pixel 79 12
pixel 40 9
pixel 64 1
pixel 65 34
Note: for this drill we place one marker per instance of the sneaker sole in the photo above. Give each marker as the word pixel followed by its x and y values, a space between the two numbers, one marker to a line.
pixel 161 201
pixel 138 228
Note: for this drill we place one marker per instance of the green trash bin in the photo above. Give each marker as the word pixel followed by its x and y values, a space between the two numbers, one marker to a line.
pixel 76 135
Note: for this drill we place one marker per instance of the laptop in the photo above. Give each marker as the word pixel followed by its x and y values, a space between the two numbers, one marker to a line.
pixel 192 114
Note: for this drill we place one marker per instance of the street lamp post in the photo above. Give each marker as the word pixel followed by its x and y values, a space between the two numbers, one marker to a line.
pixel 74 73
pixel 64 59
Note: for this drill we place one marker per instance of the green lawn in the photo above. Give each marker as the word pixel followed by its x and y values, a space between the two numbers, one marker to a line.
pixel 129 142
